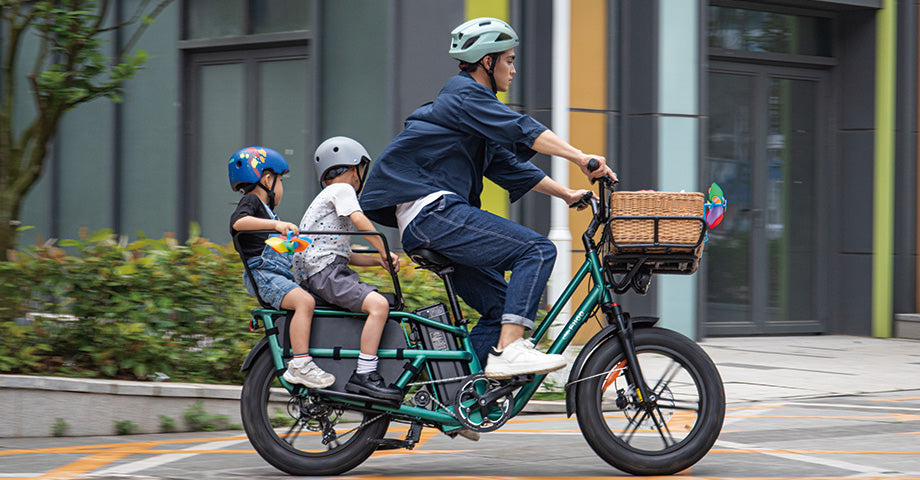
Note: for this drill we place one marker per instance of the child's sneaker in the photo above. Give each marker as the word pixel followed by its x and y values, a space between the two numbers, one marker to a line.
pixel 521 358
pixel 307 374
pixel 372 384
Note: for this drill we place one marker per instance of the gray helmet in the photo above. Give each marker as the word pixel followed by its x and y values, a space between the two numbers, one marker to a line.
pixel 479 37
pixel 340 152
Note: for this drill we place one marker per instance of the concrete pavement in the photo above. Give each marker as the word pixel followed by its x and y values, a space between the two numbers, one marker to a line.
pixel 772 368
pixel 753 369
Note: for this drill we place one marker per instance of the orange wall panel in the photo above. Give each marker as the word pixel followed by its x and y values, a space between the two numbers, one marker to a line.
pixel 589 55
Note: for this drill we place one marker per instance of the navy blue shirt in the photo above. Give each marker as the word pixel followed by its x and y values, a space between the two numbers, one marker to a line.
pixel 451 144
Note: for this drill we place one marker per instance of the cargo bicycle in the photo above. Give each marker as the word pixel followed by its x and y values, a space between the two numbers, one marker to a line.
pixel 649 401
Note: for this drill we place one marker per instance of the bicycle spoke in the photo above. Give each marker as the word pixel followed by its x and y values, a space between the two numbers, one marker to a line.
pixel 661 424
pixel 288 438
pixel 636 427
pixel 673 368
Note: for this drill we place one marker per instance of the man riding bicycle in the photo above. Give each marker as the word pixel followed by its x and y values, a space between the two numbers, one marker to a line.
pixel 428 183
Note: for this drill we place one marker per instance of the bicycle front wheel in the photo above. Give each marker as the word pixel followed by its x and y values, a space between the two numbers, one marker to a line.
pixel 301 435
pixel 665 433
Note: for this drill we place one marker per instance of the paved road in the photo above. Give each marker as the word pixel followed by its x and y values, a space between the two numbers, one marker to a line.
pixel 855 436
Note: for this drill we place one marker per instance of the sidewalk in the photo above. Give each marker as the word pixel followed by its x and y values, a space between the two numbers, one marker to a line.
pixel 753 369
pixel 776 368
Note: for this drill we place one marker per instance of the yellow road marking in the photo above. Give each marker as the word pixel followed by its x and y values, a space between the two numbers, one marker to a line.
pixel 84 465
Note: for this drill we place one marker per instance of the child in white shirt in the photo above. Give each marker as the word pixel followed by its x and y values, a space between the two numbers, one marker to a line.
pixel 341 165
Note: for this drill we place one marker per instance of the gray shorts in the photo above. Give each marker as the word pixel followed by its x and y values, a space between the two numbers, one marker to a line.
pixel 339 285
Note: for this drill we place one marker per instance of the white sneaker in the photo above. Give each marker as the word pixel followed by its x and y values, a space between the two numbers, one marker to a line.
pixel 520 358
pixel 307 374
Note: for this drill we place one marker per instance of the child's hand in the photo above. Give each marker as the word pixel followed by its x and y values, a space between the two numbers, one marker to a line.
pixel 393 264
pixel 283 227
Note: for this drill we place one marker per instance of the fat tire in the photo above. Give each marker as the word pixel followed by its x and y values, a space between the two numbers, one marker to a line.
pixel 256 421
pixel 643 462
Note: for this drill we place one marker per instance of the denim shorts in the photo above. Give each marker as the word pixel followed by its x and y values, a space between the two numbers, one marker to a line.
pixel 274 279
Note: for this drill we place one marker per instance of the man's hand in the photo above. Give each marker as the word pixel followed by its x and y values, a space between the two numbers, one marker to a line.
pixel 600 172
pixel 575 196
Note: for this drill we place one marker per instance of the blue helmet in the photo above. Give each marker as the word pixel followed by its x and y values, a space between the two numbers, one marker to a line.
pixel 248 164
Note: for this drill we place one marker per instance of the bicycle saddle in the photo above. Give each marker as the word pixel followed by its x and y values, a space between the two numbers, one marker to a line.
pixel 429 259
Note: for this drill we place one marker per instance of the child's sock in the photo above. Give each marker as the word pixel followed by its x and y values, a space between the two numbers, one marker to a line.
pixel 302 359
pixel 366 363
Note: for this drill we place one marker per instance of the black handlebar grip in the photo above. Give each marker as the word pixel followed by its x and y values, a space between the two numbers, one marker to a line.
pixel 593 164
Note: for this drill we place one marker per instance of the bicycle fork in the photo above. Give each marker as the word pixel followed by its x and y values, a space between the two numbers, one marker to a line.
pixel 616 316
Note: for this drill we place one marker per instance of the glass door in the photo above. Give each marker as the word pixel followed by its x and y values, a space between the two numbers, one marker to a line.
pixel 241 98
pixel 762 263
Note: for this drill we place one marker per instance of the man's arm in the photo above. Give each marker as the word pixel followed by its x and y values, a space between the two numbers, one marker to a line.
pixel 549 186
pixel 551 144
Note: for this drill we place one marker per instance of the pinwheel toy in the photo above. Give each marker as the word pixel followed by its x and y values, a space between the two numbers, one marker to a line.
pixel 715 207
pixel 289 246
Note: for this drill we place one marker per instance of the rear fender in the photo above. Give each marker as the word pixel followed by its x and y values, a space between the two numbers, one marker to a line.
pixel 256 350
pixel 607 334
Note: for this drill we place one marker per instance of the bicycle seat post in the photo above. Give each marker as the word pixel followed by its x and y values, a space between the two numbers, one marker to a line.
pixel 443 268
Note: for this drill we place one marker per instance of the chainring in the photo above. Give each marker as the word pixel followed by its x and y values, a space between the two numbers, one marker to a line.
pixel 469 411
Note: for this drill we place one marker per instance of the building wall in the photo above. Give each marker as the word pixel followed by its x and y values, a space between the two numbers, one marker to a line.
pixel 638 96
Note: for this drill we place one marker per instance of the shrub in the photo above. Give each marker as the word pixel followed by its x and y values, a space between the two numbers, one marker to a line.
pixel 100 306
pixel 125 427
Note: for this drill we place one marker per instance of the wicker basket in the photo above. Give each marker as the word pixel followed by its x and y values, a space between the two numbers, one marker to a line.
pixel 674 235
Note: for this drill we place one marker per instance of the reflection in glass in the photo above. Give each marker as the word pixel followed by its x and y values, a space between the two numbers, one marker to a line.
pixel 222 133
pixel 790 203
pixel 730 150
pixel 215 18
pixel 755 31
pixel 280 15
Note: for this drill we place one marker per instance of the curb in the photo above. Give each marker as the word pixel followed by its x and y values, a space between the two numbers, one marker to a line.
pixel 92 406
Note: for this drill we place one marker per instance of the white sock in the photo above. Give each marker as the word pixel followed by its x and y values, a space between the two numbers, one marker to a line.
pixel 366 363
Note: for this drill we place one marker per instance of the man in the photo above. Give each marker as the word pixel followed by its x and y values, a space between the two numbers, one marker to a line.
pixel 429 179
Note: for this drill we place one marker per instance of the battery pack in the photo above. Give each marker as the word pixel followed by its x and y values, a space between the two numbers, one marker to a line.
pixel 435 339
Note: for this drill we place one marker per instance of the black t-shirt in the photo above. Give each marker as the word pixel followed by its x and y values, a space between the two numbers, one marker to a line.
pixel 251 244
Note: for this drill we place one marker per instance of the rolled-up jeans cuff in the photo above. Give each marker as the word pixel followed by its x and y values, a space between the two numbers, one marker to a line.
pixel 517 320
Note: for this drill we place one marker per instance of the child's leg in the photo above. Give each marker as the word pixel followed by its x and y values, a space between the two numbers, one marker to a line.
pixel 377 309
pixel 366 380
pixel 302 303
pixel 301 368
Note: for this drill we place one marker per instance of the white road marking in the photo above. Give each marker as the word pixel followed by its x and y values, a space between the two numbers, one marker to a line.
pixel 158 460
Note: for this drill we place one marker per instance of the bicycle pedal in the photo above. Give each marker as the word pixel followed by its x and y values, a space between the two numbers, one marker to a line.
pixel 391 443
pixel 521 379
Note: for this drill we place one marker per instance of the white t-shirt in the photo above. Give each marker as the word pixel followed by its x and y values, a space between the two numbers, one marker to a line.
pixel 406 212
pixel 328 211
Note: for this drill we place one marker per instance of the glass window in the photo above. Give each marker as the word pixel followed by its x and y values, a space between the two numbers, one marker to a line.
pixel 215 18
pixel 222 18
pixel 280 15
pixel 755 31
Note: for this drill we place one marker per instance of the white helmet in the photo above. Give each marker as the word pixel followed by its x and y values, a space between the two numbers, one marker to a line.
pixel 479 37
pixel 341 152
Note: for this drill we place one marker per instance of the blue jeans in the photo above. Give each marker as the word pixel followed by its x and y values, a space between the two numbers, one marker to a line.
pixel 484 246
pixel 273 275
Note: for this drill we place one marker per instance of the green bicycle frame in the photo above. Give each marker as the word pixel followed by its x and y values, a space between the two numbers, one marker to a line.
pixel 419 357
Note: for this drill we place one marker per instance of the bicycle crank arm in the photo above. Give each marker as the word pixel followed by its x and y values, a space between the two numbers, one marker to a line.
pixel 516 382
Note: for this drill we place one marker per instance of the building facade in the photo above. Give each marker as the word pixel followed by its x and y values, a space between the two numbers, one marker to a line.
pixel 805 112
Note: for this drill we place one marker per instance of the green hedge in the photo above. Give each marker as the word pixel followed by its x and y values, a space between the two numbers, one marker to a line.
pixel 104 307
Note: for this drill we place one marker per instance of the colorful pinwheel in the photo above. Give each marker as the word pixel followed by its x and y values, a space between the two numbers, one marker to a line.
pixel 289 246
pixel 715 207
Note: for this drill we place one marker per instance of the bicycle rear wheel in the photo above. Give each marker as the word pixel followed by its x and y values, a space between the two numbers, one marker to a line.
pixel 666 433
pixel 302 436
